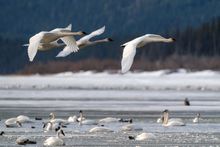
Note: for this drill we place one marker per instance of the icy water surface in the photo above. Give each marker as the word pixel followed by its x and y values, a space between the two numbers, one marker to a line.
pixel 143 106
pixel 138 96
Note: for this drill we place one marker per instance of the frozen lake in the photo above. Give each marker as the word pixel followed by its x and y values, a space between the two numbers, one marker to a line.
pixel 140 96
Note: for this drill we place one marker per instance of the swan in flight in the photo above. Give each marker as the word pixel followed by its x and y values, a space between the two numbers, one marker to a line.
pixel 142 136
pixel 23 140
pixel 55 141
pixel 49 39
pixel 197 118
pixel 85 41
pixel 130 48
pixel 172 121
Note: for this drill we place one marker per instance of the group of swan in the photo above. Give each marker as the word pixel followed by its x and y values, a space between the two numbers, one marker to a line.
pixel 46 40
pixel 166 121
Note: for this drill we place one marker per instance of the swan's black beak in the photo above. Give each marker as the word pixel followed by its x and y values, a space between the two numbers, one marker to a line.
pixel 174 40
pixel 110 39
pixel 84 33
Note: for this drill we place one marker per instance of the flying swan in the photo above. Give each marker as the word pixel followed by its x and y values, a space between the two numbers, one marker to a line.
pixel 130 48
pixel 86 41
pixel 46 40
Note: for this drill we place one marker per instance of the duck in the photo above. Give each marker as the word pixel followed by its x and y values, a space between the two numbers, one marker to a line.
pixel 171 122
pixel 130 48
pixel 23 140
pixel 142 136
pixel 186 102
pixel 86 41
pixel 197 118
pixel 100 129
pixel 45 40
pixel 12 122
pixel 55 141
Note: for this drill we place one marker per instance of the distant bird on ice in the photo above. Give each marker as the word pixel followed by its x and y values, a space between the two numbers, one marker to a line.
pixel 186 102
pixel 46 40
pixel 86 41
pixel 130 48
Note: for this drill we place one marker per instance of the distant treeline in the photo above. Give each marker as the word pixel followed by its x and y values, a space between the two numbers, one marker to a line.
pixel 195 48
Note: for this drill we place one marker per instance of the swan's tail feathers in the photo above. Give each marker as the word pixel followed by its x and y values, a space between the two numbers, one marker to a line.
pixel 131 137
pixel 69 27
pixel 110 39
pixel 65 52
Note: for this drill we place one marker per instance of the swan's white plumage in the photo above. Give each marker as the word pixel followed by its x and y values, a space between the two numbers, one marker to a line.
pixel 100 129
pixel 109 120
pixel 53 141
pixel 82 42
pixel 23 119
pixel 131 127
pixel 130 48
pixel 33 45
pixel 145 136
pixel 91 35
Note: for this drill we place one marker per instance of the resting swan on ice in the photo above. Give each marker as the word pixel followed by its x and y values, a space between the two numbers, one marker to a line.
pixel 142 136
pixel 55 141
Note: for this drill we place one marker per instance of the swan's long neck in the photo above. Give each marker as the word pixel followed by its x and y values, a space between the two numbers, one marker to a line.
pixel 52 116
pixel 81 118
pixel 165 117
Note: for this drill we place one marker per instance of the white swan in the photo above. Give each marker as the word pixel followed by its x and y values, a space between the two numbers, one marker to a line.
pixel 197 118
pixel 83 121
pixel 45 37
pixel 160 120
pixel 100 129
pixel 12 122
pixel 55 141
pixel 85 41
pixel 143 136
pixel 72 119
pixel 57 120
pixel 49 126
pixel 171 122
pixel 23 119
pixel 109 120
pixel 23 140
pixel 130 48
pixel 131 127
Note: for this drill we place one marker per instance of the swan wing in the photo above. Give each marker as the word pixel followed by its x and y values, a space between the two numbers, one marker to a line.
pixel 93 34
pixel 128 57
pixel 65 52
pixel 34 43
pixel 71 43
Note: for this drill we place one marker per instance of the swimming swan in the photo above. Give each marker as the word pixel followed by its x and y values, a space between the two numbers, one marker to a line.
pixel 197 118
pixel 83 121
pixel 85 41
pixel 23 119
pixel 57 120
pixel 130 48
pixel 100 129
pixel 23 140
pixel 142 136
pixel 55 141
pixel 171 122
pixel 45 37
pixel 131 127
pixel 12 122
